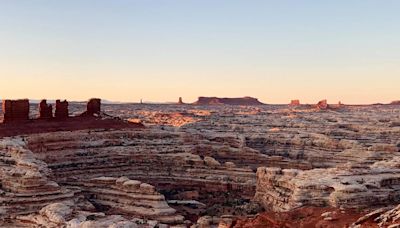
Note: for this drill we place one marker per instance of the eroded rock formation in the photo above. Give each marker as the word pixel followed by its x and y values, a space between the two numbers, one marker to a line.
pixel 61 110
pixel 45 110
pixel 180 101
pixel 93 107
pixel 15 110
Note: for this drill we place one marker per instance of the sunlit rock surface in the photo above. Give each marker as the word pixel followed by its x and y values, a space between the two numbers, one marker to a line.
pixel 194 165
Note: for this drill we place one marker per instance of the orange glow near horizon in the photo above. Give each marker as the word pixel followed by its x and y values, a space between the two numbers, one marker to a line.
pixel 275 51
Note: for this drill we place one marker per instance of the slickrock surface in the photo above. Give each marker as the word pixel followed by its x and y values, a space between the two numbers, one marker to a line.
pixel 130 197
pixel 25 183
pixel 284 190
pixel 67 215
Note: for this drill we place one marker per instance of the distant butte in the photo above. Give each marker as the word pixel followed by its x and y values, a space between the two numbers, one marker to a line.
pixel 395 102
pixel 227 101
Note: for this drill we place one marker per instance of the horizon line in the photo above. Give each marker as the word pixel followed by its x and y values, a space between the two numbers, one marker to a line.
pixel 110 101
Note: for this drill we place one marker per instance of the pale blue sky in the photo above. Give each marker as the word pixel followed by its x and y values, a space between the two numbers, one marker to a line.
pixel 344 50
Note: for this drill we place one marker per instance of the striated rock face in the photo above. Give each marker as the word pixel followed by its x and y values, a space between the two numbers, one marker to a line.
pixel 45 110
pixel 61 109
pixel 287 189
pixel 151 157
pixel 15 110
pixel 93 106
pixel 227 101
pixel 130 197
pixel 25 184
pixel 67 215
pixel 27 189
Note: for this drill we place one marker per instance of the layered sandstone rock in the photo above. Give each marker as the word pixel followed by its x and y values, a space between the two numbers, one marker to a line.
pixel 61 110
pixel 15 110
pixel 25 184
pixel 203 161
pixel 131 198
pixel 27 189
pixel 157 158
pixel 45 110
pixel 287 189
pixel 66 215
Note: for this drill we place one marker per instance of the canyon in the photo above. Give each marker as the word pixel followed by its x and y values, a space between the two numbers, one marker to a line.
pixel 226 163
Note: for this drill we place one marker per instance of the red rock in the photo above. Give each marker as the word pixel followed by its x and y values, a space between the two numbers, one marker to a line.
pixel 303 217
pixel 45 110
pixel 61 109
pixel 227 101
pixel 93 106
pixel 294 103
pixel 15 110
pixel 323 104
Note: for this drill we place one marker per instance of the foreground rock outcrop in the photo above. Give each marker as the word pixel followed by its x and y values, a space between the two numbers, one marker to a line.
pixel 25 184
pixel 284 190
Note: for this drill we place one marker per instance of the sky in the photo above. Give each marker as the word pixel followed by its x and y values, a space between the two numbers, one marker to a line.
pixel 159 50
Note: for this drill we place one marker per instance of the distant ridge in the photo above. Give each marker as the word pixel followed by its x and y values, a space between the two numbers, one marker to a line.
pixel 227 101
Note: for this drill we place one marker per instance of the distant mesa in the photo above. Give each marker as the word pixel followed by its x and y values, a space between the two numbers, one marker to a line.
pixel 227 101
pixel 395 102
pixel 294 103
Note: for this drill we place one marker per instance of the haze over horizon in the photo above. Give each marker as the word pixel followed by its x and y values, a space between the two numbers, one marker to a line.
pixel 158 51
